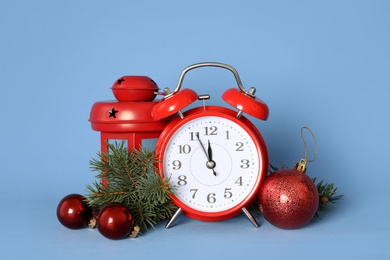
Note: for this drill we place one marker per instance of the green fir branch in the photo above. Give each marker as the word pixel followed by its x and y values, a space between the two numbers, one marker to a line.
pixel 327 197
pixel 133 180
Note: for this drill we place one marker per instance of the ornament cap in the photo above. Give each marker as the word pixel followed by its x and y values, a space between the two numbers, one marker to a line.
pixel 301 165
pixel 92 223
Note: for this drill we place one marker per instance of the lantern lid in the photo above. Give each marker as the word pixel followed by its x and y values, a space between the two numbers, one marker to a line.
pixel 134 89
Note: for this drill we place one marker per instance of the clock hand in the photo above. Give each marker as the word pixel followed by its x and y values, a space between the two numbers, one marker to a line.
pixel 201 145
pixel 209 151
pixel 210 163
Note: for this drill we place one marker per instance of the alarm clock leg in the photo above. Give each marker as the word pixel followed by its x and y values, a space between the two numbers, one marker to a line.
pixel 250 217
pixel 178 211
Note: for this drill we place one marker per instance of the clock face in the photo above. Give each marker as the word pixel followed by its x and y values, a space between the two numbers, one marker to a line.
pixel 213 163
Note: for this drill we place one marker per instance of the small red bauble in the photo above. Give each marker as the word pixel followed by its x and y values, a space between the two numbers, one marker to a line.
pixel 73 211
pixel 288 199
pixel 115 221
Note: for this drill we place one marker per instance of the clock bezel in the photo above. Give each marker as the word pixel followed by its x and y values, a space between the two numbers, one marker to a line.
pixel 243 122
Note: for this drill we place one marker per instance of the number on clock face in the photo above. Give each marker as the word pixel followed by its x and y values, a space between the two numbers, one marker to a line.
pixel 212 163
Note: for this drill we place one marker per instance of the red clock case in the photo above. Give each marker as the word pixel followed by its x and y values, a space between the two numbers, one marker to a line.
pixel 245 124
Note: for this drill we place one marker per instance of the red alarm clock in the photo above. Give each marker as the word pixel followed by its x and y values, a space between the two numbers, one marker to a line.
pixel 213 158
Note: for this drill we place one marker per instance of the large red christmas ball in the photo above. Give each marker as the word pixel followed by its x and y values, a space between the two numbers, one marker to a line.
pixel 288 199
pixel 115 221
pixel 74 212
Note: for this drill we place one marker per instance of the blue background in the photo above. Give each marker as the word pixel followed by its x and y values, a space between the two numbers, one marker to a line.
pixel 322 64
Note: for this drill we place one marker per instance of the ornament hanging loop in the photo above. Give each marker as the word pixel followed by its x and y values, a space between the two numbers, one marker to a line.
pixel 304 143
pixel 301 165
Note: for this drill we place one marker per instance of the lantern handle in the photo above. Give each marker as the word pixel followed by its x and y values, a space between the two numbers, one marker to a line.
pixel 211 64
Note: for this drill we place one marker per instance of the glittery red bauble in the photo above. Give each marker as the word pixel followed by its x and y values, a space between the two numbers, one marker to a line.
pixel 73 212
pixel 115 221
pixel 288 199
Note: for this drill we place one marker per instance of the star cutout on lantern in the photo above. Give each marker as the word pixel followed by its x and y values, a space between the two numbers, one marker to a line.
pixel 113 112
pixel 119 81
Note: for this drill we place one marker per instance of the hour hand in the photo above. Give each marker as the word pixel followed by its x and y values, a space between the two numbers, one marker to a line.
pixel 209 151
pixel 210 163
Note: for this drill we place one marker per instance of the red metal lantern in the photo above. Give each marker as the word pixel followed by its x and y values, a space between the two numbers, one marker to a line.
pixel 129 117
